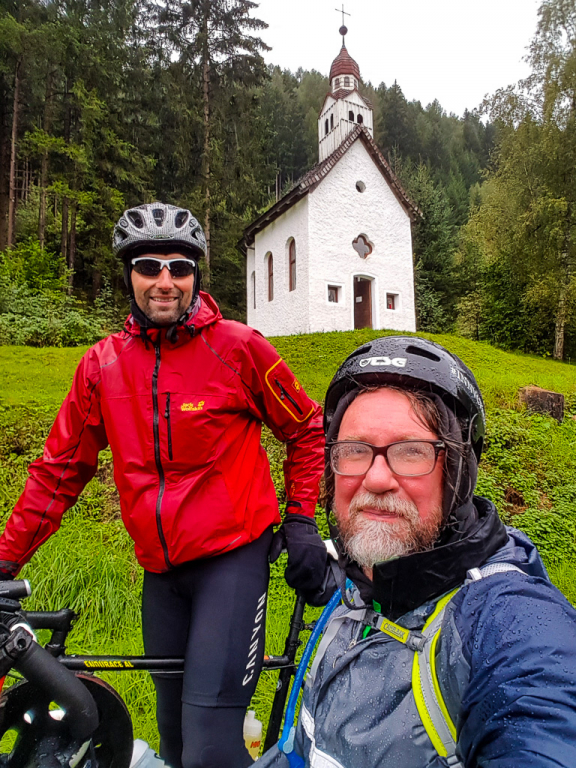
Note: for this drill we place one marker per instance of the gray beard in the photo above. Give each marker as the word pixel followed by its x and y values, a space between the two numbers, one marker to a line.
pixel 369 541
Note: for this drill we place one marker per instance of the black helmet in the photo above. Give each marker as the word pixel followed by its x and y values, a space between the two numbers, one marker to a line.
pixel 412 363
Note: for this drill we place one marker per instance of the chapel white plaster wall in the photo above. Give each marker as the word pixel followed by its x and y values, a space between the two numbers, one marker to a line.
pixel 287 313
pixel 338 213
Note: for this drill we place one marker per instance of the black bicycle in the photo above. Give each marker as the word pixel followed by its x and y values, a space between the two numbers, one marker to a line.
pixel 61 714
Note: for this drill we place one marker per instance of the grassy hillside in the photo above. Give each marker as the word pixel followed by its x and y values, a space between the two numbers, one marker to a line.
pixel 529 471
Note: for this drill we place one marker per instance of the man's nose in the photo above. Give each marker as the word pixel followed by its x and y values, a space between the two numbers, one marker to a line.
pixel 380 478
pixel 164 279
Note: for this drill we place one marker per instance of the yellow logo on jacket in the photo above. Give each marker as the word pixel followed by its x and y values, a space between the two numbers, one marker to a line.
pixel 192 407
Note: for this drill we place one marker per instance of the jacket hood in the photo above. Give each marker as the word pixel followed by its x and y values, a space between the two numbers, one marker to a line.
pixel 521 551
pixel 402 584
pixel 204 313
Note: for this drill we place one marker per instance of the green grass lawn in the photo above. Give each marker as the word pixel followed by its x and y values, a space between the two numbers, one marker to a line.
pixel 529 471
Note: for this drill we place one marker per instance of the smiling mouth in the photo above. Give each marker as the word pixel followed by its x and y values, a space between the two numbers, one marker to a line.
pixel 163 299
pixel 377 514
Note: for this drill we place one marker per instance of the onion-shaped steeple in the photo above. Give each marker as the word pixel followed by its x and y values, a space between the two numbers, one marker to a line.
pixel 344 72
pixel 344 107
pixel 344 64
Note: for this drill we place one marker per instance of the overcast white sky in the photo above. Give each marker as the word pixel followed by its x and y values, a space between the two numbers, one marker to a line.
pixel 453 50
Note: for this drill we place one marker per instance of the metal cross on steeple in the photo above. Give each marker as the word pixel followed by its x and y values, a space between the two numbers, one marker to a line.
pixel 343 29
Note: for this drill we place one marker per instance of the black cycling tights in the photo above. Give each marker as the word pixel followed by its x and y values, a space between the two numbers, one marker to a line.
pixel 212 612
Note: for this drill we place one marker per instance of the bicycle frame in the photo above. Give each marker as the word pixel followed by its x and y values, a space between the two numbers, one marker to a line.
pixel 60 623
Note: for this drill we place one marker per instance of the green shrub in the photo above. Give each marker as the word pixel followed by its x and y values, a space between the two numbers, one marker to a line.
pixel 36 268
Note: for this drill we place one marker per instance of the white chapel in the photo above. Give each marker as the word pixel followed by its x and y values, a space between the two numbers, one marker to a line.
pixel 335 252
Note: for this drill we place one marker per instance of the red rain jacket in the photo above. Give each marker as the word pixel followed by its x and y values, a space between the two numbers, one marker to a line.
pixel 183 421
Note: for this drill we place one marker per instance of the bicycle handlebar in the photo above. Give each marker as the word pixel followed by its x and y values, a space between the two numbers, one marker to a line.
pixel 16 589
pixel 46 672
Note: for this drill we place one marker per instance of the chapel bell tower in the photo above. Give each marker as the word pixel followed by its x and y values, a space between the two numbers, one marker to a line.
pixel 344 108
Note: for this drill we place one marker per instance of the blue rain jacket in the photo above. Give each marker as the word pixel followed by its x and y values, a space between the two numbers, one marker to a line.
pixel 506 665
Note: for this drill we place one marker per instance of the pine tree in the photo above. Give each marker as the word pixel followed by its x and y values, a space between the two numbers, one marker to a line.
pixel 213 41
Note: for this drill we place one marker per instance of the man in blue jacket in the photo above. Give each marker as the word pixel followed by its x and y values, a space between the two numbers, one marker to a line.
pixel 452 647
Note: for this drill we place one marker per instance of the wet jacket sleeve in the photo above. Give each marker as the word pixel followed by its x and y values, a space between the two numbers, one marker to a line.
pixel 277 398
pixel 519 708
pixel 56 479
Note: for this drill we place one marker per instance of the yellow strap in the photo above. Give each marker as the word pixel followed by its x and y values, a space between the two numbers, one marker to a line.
pixel 437 691
pixel 417 685
pixel 395 630
pixel 440 606
pixel 423 710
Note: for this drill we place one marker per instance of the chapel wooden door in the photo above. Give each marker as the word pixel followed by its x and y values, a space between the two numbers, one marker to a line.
pixel 362 303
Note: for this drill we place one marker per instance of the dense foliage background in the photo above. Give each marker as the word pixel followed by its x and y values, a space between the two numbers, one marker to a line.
pixel 108 103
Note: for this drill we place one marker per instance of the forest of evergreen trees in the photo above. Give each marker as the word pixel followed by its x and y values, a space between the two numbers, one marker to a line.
pixel 108 103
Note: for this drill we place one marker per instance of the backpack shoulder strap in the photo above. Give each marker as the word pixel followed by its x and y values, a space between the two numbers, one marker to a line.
pixel 429 701
pixel 425 685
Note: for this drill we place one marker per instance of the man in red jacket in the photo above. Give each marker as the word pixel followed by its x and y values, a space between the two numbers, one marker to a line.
pixel 180 396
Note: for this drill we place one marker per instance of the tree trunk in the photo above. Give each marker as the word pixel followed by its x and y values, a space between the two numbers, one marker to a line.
pixel 96 283
pixel 72 248
pixel 44 164
pixel 4 163
pixel 64 232
pixel 206 155
pixel 13 145
pixel 42 201
pixel 560 325
pixel 565 279
pixel 65 200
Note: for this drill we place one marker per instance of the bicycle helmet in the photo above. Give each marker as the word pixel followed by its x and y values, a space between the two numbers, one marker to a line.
pixel 158 228
pixel 154 223
pixel 412 363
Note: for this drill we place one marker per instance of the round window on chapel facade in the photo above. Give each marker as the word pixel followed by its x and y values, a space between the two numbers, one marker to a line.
pixel 360 186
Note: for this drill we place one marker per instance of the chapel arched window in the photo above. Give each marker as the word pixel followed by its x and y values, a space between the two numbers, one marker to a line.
pixel 253 282
pixel 337 83
pixel 351 116
pixel 360 120
pixel 326 129
pixel 331 122
pixel 270 277
pixel 292 264
pixel 346 82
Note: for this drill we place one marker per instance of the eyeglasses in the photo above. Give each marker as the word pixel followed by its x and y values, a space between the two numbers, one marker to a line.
pixel 408 458
pixel 150 266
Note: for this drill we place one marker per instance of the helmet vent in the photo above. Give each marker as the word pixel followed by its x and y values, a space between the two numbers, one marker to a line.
pixel 363 350
pixel 158 214
pixel 180 219
pixel 422 353
pixel 136 219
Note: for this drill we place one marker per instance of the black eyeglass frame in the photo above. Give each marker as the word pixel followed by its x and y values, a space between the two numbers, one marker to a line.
pixel 164 263
pixel 438 445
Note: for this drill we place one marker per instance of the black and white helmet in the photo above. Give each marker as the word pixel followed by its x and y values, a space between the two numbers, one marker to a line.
pixel 158 224
pixel 413 363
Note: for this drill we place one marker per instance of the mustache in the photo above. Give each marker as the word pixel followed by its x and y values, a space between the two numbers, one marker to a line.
pixel 383 503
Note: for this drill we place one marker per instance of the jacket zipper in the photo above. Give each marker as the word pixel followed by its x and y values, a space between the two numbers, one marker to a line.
pixel 157 456
pixel 168 425
pixel 284 393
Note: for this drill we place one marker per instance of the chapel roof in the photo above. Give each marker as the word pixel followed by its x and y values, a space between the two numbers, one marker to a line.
pixel 315 175
pixel 344 64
